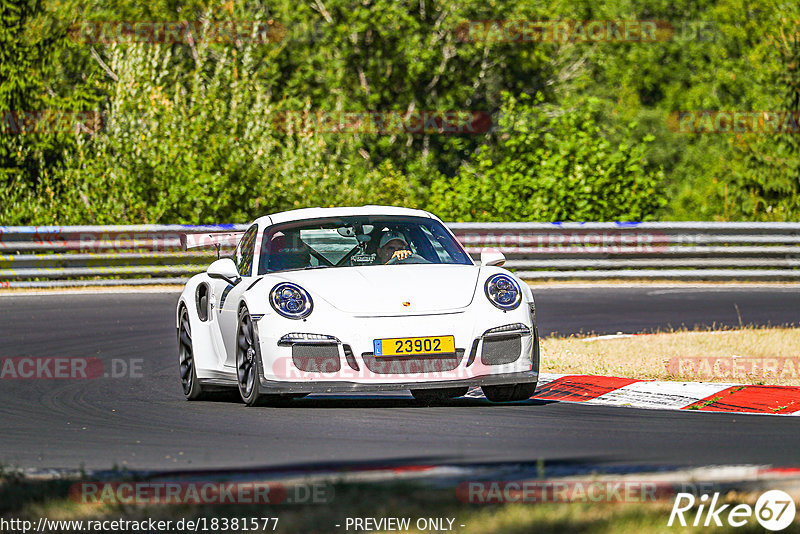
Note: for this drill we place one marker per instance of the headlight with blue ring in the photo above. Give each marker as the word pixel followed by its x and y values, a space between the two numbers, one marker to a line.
pixel 503 291
pixel 291 300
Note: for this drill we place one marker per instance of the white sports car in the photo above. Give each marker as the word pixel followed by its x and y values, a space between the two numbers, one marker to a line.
pixel 359 299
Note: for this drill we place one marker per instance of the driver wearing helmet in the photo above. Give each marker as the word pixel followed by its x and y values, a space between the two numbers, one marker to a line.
pixel 392 245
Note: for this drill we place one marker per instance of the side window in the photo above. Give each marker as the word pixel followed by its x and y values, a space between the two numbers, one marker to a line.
pixel 245 251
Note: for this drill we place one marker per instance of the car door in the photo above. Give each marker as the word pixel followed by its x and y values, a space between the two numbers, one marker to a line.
pixel 230 295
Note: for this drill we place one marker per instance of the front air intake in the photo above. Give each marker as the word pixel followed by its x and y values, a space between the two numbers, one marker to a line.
pixel 500 350
pixel 412 365
pixel 316 358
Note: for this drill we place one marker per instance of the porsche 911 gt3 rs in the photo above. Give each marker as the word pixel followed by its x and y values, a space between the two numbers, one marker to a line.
pixel 355 299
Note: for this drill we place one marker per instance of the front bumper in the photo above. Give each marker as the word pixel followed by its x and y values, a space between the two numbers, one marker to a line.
pixel 483 355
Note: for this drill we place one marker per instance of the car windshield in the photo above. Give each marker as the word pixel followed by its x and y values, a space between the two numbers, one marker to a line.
pixel 358 241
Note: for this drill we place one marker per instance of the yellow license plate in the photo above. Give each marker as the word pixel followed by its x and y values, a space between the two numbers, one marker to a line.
pixel 412 346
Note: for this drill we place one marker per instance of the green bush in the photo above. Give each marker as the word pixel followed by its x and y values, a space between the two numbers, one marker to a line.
pixel 552 164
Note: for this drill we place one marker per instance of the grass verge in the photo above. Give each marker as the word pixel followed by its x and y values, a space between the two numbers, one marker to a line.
pixel 746 356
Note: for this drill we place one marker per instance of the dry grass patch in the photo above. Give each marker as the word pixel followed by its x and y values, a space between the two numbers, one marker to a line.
pixel 747 356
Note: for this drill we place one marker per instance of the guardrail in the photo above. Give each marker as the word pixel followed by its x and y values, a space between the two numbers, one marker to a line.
pixel 37 256
pixel 681 250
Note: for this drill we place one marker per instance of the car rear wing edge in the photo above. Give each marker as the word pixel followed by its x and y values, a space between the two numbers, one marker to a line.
pixel 211 239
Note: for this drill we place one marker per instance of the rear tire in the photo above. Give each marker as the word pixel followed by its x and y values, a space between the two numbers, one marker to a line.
pixel 432 396
pixel 509 392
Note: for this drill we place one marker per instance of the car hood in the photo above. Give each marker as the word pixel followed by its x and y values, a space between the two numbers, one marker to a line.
pixel 391 289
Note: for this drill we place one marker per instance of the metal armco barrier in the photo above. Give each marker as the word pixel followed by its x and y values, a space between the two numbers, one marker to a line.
pixel 680 250
pixel 59 256
pixel 152 254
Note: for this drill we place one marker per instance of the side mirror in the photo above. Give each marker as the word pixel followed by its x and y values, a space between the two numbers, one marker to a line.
pixel 492 256
pixel 224 269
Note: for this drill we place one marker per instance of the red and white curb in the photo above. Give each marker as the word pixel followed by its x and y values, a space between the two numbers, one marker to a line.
pixel 697 396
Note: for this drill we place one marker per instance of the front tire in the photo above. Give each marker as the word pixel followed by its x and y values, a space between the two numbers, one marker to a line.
pixel 248 359
pixel 248 366
pixel 433 396
pixel 509 392
pixel 516 392
pixel 189 381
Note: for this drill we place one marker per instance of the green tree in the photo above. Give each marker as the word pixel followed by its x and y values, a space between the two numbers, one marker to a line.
pixel 39 74
pixel 552 164
pixel 766 170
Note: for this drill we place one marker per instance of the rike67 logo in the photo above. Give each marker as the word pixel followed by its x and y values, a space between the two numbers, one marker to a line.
pixel 774 511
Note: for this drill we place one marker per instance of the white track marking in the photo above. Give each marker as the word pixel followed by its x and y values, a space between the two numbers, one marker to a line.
pixel 546 378
pixel 668 287
pixel 610 336
pixel 664 395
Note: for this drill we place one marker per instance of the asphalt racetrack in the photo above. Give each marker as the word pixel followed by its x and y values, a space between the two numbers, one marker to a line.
pixel 143 422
